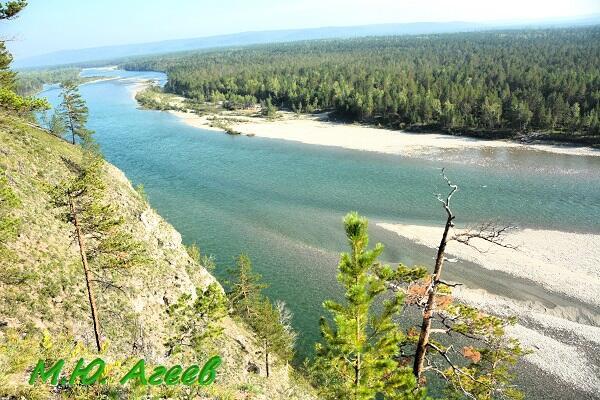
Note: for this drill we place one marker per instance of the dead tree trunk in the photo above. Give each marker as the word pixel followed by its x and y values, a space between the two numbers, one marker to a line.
pixel 267 357
pixel 86 270
pixel 423 343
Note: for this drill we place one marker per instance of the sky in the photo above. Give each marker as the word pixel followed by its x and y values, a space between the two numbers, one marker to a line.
pixel 50 25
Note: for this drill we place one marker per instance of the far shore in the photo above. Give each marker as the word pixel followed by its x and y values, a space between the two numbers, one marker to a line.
pixel 98 79
pixel 316 129
pixel 106 68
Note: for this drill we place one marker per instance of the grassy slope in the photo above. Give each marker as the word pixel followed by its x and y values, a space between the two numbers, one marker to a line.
pixel 42 286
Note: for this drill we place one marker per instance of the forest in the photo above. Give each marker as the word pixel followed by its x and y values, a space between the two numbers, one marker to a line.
pixel 31 82
pixel 88 268
pixel 543 83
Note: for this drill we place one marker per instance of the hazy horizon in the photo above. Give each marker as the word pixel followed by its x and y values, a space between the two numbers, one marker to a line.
pixel 86 25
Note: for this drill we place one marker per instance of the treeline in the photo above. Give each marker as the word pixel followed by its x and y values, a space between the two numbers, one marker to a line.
pixel 31 82
pixel 148 98
pixel 495 82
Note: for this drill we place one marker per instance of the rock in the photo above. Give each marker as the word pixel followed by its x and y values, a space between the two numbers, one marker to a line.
pixel 251 367
pixel 150 220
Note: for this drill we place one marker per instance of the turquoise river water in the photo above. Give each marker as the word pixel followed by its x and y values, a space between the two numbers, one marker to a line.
pixel 282 202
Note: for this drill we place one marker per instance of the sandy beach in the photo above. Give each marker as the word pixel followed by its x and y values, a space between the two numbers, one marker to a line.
pixel 317 131
pixel 98 80
pixel 571 268
pixel 554 334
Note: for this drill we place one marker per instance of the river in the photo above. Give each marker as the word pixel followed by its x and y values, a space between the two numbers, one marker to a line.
pixel 282 202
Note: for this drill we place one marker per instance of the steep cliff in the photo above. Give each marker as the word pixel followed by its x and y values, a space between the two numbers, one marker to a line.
pixel 42 288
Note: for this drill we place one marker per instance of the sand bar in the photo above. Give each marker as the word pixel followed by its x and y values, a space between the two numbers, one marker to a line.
pixel 317 131
pixel 562 262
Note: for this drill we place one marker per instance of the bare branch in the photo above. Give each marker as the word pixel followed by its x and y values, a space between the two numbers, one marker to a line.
pixel 106 285
pixel 446 202
pixel 455 369
pixel 490 232
pixel 444 354
pixel 439 330
pixel 449 284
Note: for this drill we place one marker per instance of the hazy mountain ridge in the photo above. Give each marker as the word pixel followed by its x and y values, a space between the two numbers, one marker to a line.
pixel 279 36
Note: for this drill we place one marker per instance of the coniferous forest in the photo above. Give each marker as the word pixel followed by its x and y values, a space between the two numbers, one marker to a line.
pixel 287 295
pixel 492 84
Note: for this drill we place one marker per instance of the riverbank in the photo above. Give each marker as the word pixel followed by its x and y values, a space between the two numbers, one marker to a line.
pixel 561 262
pixel 317 130
pixel 95 79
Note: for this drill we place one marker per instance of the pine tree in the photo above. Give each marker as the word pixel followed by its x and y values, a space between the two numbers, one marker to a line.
pixel 10 9
pixel 7 77
pixel 271 322
pixel 268 109
pixel 197 320
pixel 9 99
pixel 491 112
pixel 105 247
pixel 56 125
pixel 74 111
pixel 272 326
pixel 74 194
pixel 245 287
pixel 356 359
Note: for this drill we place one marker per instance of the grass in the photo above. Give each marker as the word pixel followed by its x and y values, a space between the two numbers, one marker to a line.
pixel 42 291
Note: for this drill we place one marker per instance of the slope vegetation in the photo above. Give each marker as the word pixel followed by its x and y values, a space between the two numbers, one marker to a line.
pixel 44 311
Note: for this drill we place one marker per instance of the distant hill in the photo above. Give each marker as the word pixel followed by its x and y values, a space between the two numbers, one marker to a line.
pixel 278 36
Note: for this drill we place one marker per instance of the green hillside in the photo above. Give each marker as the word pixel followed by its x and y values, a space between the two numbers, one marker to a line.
pixel 44 310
